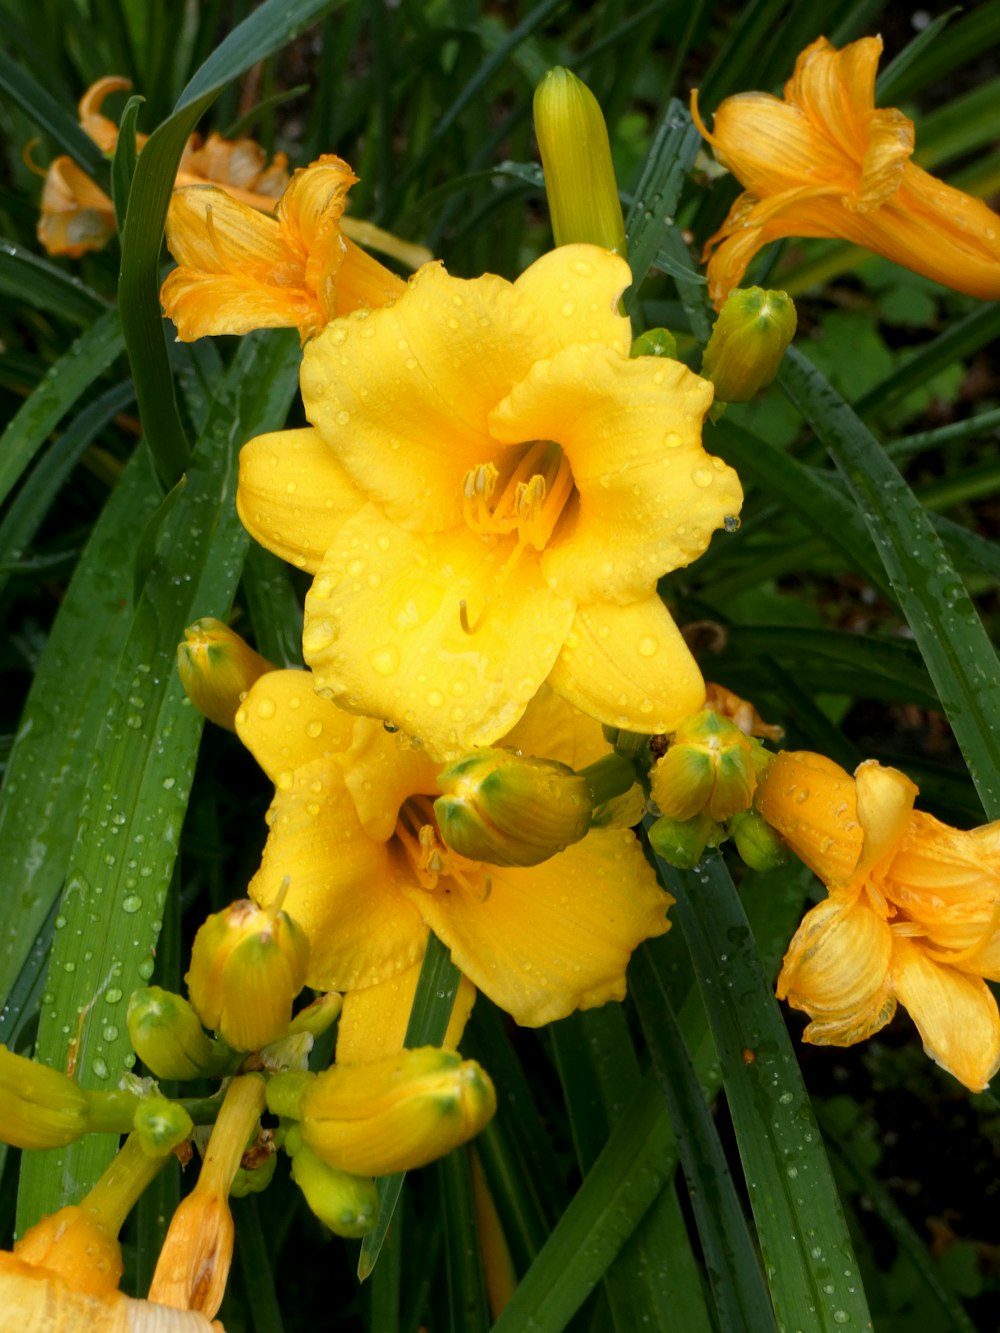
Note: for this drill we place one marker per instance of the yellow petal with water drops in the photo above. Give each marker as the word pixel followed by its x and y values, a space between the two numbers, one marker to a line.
pixel 837 969
pixel 812 802
pixel 956 1015
pixel 382 768
pixel 886 156
pixel 293 495
pixel 284 724
pixel 648 496
pixel 885 799
pixel 344 888
pixel 628 666
pixel 553 728
pixel 373 1020
pixel 235 272
pixel 403 394
pixel 428 632
pixel 545 940
pixel 577 289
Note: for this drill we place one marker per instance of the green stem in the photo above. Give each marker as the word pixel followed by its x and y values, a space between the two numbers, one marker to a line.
pixel 118 1190
pixel 610 776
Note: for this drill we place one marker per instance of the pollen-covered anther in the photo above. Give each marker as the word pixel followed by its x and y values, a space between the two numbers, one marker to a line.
pixel 531 498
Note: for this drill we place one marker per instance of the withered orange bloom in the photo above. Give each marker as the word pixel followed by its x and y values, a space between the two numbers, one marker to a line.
pixel 78 216
pixel 913 913
pixel 239 269
pixel 826 162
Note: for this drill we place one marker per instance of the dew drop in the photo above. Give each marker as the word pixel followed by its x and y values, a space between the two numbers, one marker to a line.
pixel 132 903
pixel 385 660
pixel 647 646
pixel 701 476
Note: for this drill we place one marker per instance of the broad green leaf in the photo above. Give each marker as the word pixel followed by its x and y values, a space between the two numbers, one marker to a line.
pixel 808 1259
pixel 958 654
pixel 137 788
pixel 467 1305
pixel 60 387
pixel 51 118
pixel 25 276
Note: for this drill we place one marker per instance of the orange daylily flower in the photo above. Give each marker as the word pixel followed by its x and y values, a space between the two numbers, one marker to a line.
pixel 78 216
pixel 913 913
pixel 239 269
pixel 826 162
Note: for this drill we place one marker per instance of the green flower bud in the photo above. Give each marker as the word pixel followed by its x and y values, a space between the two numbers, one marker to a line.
pixel 681 842
pixel 655 342
pixel 318 1017
pixel 168 1038
pixel 160 1125
pixel 509 810
pixel 757 843
pixel 347 1204
pixel 709 766
pixel 247 966
pixel 748 341
pixel 217 668
pixel 576 158
pixel 39 1107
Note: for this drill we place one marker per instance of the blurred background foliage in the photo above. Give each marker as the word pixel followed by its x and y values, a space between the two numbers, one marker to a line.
pixel 431 105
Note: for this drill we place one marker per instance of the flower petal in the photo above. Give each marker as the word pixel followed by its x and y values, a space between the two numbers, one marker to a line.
pixel 812 802
pixel 235 271
pixel 628 666
pixel 373 1021
pixel 837 970
pixel 284 724
pixel 885 799
pixel 553 937
pixel 384 631
pixel 648 495
pixel 403 394
pixel 771 146
pixel 294 496
pixel 956 1015
pixel 345 889
pixel 836 89
pixel 553 728
pixel 382 769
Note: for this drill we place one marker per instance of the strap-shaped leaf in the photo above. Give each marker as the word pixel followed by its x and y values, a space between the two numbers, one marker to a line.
pixel 958 654
pixel 59 389
pixel 664 174
pixel 52 118
pixel 27 277
pixel 809 1262
pixel 137 789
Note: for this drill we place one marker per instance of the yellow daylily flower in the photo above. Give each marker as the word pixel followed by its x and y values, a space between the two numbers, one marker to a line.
pixel 825 162
pixel 913 913
pixel 77 216
pixel 489 493
pixel 352 827
pixel 239 269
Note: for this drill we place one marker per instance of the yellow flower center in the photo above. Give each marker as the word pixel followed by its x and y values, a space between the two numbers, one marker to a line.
pixel 528 500
pixel 431 859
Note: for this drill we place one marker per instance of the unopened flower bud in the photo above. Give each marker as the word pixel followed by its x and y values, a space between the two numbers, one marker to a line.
pixel 757 843
pixel 285 1092
pixel 655 342
pixel 168 1038
pixel 749 339
pixel 576 158
pixel 681 842
pixel 247 966
pixel 39 1107
pixel 395 1113
pixel 345 1203
pixel 160 1125
pixel 709 766
pixel 256 1178
pixel 217 668
pixel 318 1017
pixel 509 810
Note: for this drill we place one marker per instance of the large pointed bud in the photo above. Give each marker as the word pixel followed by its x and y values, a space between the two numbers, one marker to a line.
pixel 247 966
pixel 509 810
pixel 217 668
pixel 576 158
pixel 749 339
pixel 39 1107
pixel 396 1113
